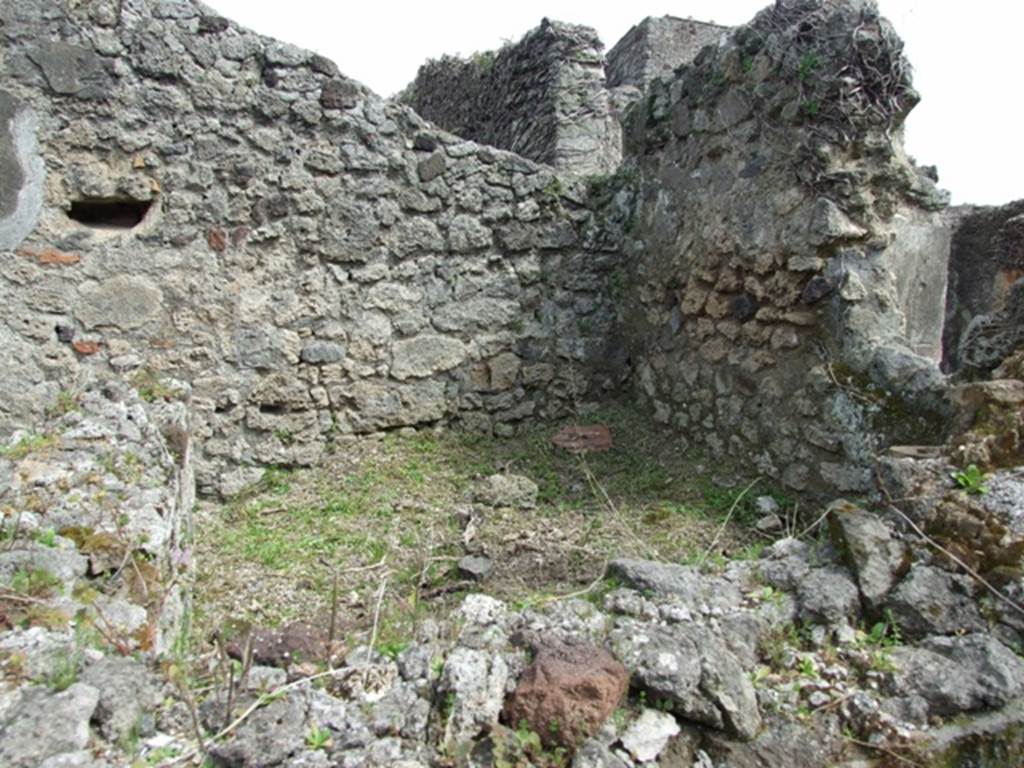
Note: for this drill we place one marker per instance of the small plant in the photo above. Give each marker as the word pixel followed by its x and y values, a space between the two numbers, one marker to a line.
pixel 28 445
pixel 66 403
pixel 318 738
pixel 811 107
pixel 47 538
pixel 971 480
pixel 34 583
pixel 64 673
pixel 806 667
pixel 392 649
pixel 150 388
pixel 808 64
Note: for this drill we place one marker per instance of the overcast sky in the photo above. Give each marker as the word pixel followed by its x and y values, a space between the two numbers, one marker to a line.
pixel 965 57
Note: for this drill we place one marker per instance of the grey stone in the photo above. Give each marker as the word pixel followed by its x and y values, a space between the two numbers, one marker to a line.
pixel 768 523
pixel 958 674
pixel 475 567
pixel 320 352
pixel 931 601
pixel 44 724
pixel 270 736
pixel 783 742
pixel 82 759
pixel 476 680
pixel 647 736
pixel 594 754
pixel 401 712
pixel 506 491
pixel 340 94
pixel 66 565
pixel 425 355
pixel 784 564
pixel 129 695
pixel 828 595
pixel 432 167
pixel 694 675
pixel 467 234
pixel 688 585
pixel 123 302
pixel 71 70
pixel 869 549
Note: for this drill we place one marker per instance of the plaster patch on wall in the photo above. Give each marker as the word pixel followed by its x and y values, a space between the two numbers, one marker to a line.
pixel 21 173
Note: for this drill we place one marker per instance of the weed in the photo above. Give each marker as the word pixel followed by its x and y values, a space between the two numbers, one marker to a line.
pixel 808 64
pixel 971 480
pixel 392 648
pixel 806 667
pixel 36 582
pixel 483 62
pixel 318 738
pixel 28 445
pixel 157 756
pixel 48 538
pixel 150 387
pixel 811 107
pixel 883 634
pixel 447 706
pixel 275 480
pixel 64 673
pixel 66 402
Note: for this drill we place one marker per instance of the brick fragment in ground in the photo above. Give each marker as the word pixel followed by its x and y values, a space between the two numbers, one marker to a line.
pixel 567 693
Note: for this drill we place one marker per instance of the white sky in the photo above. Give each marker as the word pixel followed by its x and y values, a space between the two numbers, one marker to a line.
pixel 965 56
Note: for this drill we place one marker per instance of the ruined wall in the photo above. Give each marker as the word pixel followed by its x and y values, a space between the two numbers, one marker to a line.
pixel 657 46
pixel 987 257
pixel 543 98
pixel 766 320
pixel 187 200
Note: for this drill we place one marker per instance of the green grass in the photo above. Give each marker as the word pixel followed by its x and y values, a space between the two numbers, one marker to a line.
pixel 29 445
pixel 384 508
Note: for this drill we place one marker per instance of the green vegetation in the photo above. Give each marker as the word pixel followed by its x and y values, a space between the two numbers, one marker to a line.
pixel 35 582
pixel 483 61
pixel 523 746
pixel 67 402
pixel 971 480
pixel 384 511
pixel 318 738
pixel 151 387
pixel 47 537
pixel 808 65
pixel 28 445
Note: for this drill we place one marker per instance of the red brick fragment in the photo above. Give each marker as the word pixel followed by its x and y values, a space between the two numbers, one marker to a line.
pixel 86 347
pixel 50 256
pixel 567 693
pixel 217 240
pixel 596 437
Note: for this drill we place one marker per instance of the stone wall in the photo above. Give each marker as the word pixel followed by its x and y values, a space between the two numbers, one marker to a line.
pixel 543 98
pixel 187 200
pixel 987 257
pixel 766 320
pixel 656 47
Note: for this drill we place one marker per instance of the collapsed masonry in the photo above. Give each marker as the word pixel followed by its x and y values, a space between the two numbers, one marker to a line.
pixel 226 220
